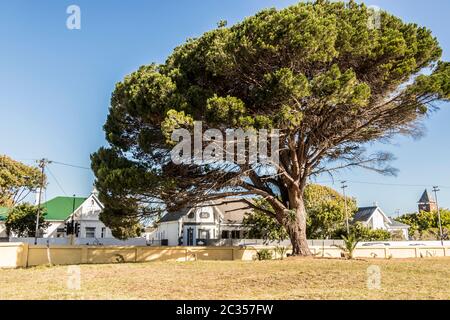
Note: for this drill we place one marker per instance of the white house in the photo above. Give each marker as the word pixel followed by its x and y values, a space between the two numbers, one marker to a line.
pixel 375 218
pixel 84 212
pixel 199 225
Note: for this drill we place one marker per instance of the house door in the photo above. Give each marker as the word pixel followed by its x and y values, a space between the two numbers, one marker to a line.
pixel 190 237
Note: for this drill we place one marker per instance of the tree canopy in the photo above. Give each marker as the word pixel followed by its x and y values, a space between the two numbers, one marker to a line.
pixel 318 72
pixel 425 225
pixel 22 221
pixel 325 209
pixel 17 180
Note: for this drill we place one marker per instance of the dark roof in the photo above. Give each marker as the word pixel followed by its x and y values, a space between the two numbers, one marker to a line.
pixel 364 214
pixel 233 212
pixel 174 216
pixel 426 197
pixel 398 224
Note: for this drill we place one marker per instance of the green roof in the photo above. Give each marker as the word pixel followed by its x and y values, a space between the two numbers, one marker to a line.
pixel 57 209
pixel 60 208
pixel 3 213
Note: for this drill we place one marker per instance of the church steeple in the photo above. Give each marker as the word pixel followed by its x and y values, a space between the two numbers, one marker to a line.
pixel 426 202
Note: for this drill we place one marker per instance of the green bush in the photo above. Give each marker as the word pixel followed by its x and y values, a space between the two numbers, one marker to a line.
pixel 363 233
pixel 264 254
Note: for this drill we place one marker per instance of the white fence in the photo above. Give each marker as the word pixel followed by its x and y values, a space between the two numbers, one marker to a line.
pixel 404 244
pixel 225 242
pixel 84 241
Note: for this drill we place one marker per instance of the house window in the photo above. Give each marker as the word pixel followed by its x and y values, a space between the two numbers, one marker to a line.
pixel 191 215
pixel 203 234
pixel 235 234
pixel 103 232
pixel 204 215
pixel 60 232
pixel 90 232
pixel 225 234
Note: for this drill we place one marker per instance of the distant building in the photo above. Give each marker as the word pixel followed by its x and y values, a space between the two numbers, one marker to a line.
pixel 199 225
pixel 374 218
pixel 427 203
pixel 84 212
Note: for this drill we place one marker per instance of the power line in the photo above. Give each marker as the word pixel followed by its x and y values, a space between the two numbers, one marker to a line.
pixel 55 162
pixel 71 165
pixel 387 184
pixel 56 180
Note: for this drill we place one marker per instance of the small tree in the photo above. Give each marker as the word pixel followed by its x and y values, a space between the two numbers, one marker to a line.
pixel 17 180
pixel 326 215
pixel 325 208
pixel 423 225
pixel 263 226
pixel 350 243
pixel 363 233
pixel 22 221
pixel 123 226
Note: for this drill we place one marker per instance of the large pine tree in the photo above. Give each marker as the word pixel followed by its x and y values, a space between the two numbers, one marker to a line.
pixel 330 80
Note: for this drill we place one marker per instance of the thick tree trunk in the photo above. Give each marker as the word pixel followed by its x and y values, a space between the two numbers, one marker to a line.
pixel 296 229
pixel 294 222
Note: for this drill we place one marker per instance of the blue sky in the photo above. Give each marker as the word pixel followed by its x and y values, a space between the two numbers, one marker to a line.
pixel 56 84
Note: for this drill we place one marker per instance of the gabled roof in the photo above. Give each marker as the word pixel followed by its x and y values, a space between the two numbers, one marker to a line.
pixel 363 214
pixel 396 224
pixel 233 212
pixel 56 209
pixel 174 216
pixel 426 197
pixel 60 208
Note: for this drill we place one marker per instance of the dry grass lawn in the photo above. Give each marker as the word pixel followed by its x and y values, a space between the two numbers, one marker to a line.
pixel 289 279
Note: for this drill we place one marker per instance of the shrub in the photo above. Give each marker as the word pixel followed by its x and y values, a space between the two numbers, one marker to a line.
pixel 280 252
pixel 350 243
pixel 264 254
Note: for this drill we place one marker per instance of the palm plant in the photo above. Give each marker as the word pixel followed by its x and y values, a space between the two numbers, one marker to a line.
pixel 349 246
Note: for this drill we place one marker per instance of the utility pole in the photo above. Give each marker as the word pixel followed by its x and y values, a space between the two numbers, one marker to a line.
pixel 344 186
pixel 435 190
pixel 42 163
